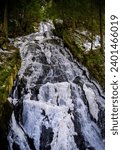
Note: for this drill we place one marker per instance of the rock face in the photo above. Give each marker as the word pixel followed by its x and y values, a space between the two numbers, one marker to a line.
pixel 56 105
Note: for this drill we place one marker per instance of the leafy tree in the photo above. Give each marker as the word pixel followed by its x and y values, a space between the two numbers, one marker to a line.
pixel 18 16
pixel 77 13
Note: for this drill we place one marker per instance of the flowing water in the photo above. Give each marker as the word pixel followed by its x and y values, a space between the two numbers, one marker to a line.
pixel 56 105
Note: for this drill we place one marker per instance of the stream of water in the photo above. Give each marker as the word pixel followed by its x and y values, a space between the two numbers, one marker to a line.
pixel 56 105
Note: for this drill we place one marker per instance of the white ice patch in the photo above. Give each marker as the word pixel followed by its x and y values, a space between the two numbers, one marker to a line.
pixel 96 44
pixel 64 135
pixel 89 129
pixel 48 55
pixel 97 41
pixel 87 46
pixel 57 94
pixel 58 119
pixel 18 134
pixel 93 106
pixel 39 38
pixel 46 26
pixel 1 50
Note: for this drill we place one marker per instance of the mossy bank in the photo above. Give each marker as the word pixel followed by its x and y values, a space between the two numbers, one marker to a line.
pixel 93 60
pixel 9 66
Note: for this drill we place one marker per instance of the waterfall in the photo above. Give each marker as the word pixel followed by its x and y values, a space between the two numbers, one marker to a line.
pixel 56 105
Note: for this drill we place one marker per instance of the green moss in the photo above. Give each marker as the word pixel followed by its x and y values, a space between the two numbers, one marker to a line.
pixel 94 60
pixel 10 63
pixel 70 42
pixel 95 63
pixel 9 66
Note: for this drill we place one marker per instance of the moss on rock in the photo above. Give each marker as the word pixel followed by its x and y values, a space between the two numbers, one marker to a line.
pixel 93 60
pixel 9 66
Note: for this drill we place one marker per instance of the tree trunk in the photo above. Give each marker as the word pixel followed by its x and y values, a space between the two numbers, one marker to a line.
pixel 91 25
pixel 5 25
pixel 101 31
pixel 73 25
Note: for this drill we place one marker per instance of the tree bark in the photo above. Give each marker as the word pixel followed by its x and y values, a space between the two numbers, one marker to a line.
pixel 73 25
pixel 5 25
pixel 91 24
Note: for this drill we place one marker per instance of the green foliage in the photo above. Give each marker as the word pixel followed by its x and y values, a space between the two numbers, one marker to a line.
pixel 77 13
pixel 95 63
pixel 22 15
